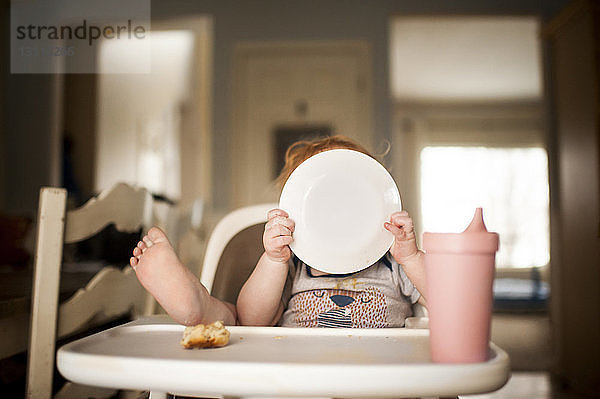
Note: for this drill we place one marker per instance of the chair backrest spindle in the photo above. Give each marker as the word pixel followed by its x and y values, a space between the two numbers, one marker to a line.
pixel 48 258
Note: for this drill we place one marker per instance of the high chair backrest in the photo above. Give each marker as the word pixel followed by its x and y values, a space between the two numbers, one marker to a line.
pixel 234 247
pixel 111 293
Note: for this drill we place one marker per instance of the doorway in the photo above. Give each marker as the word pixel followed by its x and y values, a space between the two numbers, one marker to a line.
pixel 293 89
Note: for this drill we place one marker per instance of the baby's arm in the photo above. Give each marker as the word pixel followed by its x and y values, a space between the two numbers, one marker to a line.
pixel 174 286
pixel 405 251
pixel 259 301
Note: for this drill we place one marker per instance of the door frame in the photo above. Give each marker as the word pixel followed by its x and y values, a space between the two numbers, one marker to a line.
pixel 245 51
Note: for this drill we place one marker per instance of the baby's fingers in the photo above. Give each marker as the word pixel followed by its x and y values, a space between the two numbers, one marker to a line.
pixel 276 212
pixel 401 226
pixel 395 230
pixel 280 221
pixel 278 235
pixel 277 230
pixel 277 248
pixel 281 241
pixel 402 220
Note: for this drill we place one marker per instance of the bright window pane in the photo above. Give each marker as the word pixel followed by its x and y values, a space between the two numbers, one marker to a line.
pixel 511 184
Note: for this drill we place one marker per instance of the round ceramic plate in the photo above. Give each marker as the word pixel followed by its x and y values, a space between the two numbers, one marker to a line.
pixel 339 200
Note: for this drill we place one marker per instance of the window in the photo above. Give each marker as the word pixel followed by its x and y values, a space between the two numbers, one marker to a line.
pixel 510 184
pixel 469 133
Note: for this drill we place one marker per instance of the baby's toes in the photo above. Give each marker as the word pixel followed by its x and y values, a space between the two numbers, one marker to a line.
pixel 133 261
pixel 147 241
pixel 137 252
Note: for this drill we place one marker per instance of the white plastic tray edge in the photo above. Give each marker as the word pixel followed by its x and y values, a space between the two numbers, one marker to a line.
pixel 424 379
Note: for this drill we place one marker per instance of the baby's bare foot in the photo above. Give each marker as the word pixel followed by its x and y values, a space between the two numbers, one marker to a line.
pixel 173 285
pixel 159 269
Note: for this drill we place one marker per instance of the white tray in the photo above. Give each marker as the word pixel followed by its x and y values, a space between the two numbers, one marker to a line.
pixel 276 361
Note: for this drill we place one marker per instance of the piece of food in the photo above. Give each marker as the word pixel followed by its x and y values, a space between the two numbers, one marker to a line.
pixel 205 336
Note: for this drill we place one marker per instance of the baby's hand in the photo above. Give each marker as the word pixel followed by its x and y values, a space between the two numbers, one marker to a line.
pixel 405 243
pixel 278 235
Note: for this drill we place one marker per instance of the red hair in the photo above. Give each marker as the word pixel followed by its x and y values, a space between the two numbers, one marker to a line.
pixel 300 151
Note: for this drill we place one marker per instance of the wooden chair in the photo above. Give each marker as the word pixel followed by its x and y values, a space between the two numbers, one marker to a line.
pixel 112 293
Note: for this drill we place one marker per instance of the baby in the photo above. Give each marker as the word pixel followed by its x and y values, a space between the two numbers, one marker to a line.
pixel 282 290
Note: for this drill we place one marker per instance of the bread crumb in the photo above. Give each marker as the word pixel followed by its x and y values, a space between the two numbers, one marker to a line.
pixel 205 336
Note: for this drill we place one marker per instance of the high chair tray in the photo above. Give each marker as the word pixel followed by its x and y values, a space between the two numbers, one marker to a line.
pixel 276 361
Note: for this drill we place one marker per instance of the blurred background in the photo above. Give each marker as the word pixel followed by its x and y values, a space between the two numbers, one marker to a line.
pixel 467 103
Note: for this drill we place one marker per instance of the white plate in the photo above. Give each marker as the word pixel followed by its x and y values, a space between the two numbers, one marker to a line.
pixel 339 200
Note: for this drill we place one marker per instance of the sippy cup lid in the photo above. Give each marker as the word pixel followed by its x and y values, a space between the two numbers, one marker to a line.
pixel 475 239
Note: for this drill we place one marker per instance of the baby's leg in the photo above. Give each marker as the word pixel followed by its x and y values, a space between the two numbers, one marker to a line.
pixel 173 285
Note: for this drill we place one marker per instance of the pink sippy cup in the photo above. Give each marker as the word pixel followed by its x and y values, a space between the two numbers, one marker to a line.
pixel 459 270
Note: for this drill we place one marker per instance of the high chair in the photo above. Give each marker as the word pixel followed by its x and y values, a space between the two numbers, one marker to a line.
pixel 269 361
pixel 235 246
pixel 114 292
